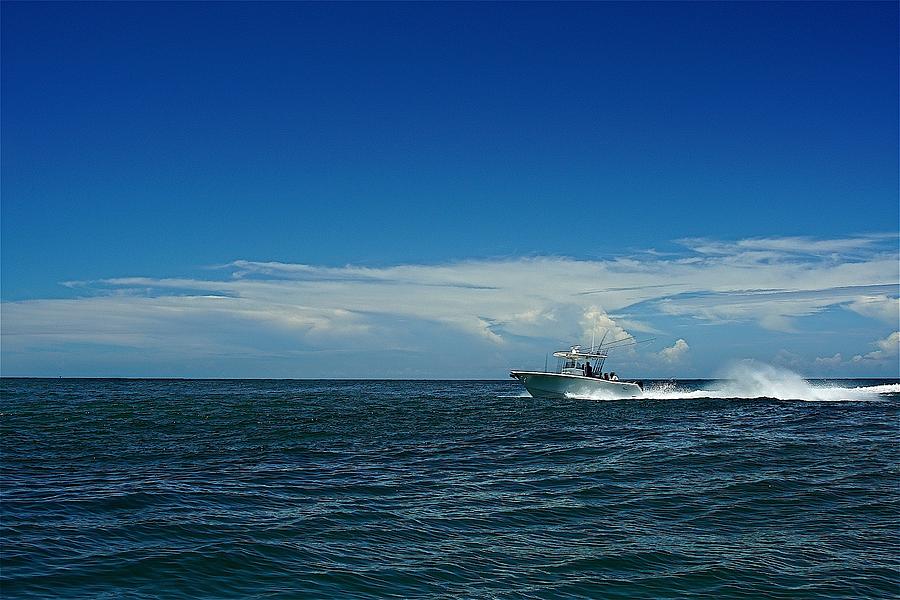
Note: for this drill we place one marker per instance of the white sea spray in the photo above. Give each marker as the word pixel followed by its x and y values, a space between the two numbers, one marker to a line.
pixel 749 379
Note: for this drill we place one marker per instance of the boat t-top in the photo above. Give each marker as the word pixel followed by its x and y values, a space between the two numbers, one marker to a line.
pixel 579 374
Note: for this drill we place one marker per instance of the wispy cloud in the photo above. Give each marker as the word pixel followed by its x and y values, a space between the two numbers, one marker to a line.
pixel 248 306
pixel 877 306
pixel 786 247
pixel 777 309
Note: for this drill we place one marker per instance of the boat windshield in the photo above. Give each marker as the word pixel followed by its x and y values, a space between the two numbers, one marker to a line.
pixel 572 366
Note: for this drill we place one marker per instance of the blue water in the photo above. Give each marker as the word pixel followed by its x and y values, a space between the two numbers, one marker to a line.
pixel 362 489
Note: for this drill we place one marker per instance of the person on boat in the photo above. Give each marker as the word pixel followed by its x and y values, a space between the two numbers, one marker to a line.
pixel 606 376
pixel 613 376
pixel 588 371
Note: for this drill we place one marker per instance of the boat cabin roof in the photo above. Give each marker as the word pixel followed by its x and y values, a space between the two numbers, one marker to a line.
pixel 577 353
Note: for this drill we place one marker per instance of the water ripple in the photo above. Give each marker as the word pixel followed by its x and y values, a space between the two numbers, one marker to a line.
pixel 282 489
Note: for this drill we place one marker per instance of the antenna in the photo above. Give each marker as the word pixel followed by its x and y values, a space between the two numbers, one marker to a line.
pixel 606 333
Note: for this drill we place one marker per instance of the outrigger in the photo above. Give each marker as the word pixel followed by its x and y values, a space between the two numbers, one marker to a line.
pixel 579 374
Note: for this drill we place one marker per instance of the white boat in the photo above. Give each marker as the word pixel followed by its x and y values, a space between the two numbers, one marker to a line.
pixel 572 379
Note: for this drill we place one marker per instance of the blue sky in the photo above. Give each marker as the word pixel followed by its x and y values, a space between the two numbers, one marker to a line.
pixel 447 190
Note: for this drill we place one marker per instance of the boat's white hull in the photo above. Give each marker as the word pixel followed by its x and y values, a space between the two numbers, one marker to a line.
pixel 559 385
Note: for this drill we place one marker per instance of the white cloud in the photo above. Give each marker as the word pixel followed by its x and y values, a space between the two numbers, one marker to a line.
pixel 595 323
pixel 890 344
pixel 501 303
pixel 676 352
pixel 888 348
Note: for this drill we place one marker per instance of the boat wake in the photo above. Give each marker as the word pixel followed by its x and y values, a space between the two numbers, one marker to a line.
pixel 750 380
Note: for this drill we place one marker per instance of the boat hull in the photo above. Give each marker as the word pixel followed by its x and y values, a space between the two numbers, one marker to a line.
pixel 559 385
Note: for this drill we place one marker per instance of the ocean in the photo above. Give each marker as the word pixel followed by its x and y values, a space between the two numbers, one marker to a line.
pixel 447 489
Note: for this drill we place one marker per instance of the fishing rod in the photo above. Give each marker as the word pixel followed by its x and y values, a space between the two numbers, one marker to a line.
pixel 624 339
pixel 612 344
pixel 634 343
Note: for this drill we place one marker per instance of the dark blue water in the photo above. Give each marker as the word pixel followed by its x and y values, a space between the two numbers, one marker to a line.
pixel 361 489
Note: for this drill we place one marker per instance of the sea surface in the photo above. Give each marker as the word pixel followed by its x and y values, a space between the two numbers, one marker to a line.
pixel 448 489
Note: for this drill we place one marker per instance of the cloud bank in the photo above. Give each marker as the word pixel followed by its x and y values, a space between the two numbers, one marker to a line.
pixel 472 317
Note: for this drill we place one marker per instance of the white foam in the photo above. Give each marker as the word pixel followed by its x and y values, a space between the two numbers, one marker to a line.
pixel 889 388
pixel 596 396
pixel 751 379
